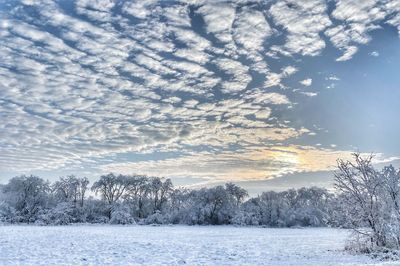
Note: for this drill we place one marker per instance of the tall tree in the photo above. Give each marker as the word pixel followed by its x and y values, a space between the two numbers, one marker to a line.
pixel 112 188
pixel 71 189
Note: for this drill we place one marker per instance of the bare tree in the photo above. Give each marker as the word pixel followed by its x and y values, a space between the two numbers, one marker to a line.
pixel 371 198
pixel 391 182
pixel 111 188
pixel 71 189
pixel 237 192
pixel 137 192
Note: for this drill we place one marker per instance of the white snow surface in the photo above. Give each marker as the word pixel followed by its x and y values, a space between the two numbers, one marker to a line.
pixel 175 245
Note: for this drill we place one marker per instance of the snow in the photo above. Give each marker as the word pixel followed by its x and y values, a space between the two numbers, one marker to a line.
pixel 174 245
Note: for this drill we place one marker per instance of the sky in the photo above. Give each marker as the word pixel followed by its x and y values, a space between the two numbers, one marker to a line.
pixel 268 94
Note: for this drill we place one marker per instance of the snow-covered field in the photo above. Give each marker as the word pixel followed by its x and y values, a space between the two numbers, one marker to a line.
pixel 174 245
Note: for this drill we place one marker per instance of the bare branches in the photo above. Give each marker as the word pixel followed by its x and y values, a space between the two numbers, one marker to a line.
pixel 373 199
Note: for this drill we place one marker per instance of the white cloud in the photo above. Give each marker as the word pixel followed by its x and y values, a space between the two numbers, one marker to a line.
pixel 348 54
pixel 332 77
pixel 258 96
pixel 306 82
pixel 309 94
pixel 374 53
pixel 303 20
pixel 239 72
pixel 194 55
pixel 358 11
pixel 274 79
pixel 263 114
pixel 251 29
pixel 253 164
pixel 106 78
pixel 359 18
pixel 218 18
pixel 140 9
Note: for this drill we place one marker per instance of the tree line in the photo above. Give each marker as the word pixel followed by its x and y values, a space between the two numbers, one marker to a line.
pixel 365 199
pixel 125 199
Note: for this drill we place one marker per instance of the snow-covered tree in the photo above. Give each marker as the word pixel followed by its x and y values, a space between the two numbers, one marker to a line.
pixel 237 192
pixel 371 198
pixel 365 198
pixel 111 188
pixel 71 189
pixel 28 195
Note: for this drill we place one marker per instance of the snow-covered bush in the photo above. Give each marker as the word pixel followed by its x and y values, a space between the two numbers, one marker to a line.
pixel 7 213
pixel 244 218
pixel 95 211
pixel 121 215
pixel 155 218
pixel 62 214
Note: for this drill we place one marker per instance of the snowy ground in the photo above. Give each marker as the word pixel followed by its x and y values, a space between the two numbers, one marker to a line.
pixel 174 245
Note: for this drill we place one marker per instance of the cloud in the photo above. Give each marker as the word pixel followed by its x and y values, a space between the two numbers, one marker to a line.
pixel 274 79
pixel 306 82
pixel 348 54
pixel 374 53
pixel 93 80
pixel 219 19
pixel 238 72
pixel 263 114
pixel 365 11
pixel 303 21
pixel 258 96
pixel 138 9
pixel 358 19
pixel 253 164
pixel 332 77
pixel 309 94
pixel 251 29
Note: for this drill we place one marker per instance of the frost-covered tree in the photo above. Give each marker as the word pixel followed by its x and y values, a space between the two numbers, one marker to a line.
pixel 111 188
pixel 210 206
pixel 137 194
pixel 27 195
pixel 95 211
pixel 160 191
pixel 391 193
pixel 273 208
pixel 238 193
pixel 311 207
pixel 301 207
pixel 391 183
pixel 250 213
pixel 360 184
pixel 126 199
pixel 71 189
pixel 372 199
